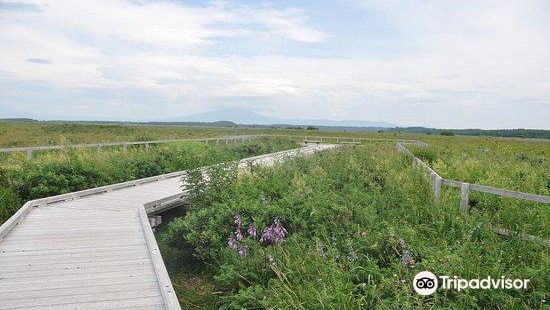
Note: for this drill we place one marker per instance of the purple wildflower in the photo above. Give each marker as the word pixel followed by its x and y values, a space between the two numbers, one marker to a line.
pixel 242 250
pixel 251 230
pixel 401 242
pixel 238 221
pixel 239 235
pixel 274 233
pixel 232 243
pixel 407 259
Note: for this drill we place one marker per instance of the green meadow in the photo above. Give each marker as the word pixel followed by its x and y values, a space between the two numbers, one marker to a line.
pixel 342 229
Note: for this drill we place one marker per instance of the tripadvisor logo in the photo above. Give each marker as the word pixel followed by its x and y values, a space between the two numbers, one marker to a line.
pixel 425 283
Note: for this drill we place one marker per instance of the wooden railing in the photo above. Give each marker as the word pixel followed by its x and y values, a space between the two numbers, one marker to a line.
pixel 30 149
pixel 227 139
pixel 436 182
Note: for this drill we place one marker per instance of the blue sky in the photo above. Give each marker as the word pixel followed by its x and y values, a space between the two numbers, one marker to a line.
pixel 441 63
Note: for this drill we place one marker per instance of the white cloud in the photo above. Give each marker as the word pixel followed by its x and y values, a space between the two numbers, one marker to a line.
pixel 453 56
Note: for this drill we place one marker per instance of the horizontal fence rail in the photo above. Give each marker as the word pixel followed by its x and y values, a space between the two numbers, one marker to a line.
pixel 29 150
pixel 436 181
pixel 227 139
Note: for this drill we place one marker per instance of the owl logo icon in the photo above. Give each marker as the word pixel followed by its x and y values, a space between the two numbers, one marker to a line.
pixel 425 283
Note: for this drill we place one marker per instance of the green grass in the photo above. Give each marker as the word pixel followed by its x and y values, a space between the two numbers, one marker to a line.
pixel 492 162
pixel 355 205
pixel 33 134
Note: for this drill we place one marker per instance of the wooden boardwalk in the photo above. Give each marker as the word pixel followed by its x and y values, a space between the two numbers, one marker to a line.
pixel 94 249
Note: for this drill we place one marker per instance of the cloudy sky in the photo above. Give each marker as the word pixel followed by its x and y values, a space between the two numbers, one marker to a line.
pixel 442 63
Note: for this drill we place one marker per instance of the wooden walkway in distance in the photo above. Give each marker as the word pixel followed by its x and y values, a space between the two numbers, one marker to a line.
pixel 94 249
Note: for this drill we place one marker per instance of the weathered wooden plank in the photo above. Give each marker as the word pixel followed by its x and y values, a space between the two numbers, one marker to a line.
pixel 97 249
pixel 69 230
pixel 68 245
pixel 437 189
pixel 509 193
pixel 144 300
pixel 507 232
pixel 50 272
pixel 81 238
pixel 452 183
pixel 169 295
pixel 107 221
pixel 464 189
pixel 87 248
pixel 128 274
pixel 48 261
pixel 78 283
pixel 77 266
pixel 71 291
pixel 114 232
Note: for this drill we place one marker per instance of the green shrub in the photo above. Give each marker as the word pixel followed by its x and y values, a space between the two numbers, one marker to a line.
pixel 56 178
pixel 9 203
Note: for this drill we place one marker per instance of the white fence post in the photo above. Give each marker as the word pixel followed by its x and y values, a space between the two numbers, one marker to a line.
pixel 464 189
pixel 437 189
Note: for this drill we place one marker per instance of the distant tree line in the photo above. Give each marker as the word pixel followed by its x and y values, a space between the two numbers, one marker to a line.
pixel 514 133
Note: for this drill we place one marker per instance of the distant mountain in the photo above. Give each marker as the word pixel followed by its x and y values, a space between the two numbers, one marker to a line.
pixel 253 118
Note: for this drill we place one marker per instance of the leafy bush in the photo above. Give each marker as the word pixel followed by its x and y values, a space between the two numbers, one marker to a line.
pixel 359 224
pixel 9 203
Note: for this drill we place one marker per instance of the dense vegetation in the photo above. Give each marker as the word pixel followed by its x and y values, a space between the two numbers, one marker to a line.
pixel 14 134
pixel 514 166
pixel 233 127
pixel 513 133
pixel 58 172
pixel 346 229
pixel 32 134
pixel 343 229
